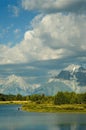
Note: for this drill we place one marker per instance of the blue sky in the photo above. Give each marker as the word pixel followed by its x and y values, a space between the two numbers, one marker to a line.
pixel 42 30
pixel 14 21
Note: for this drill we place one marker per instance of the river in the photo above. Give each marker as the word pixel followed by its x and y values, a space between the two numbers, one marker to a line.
pixel 13 119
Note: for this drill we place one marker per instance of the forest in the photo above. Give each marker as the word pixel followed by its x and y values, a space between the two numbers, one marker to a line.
pixel 58 99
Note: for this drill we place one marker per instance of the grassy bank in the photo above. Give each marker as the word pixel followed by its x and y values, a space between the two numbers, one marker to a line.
pixel 48 107
pixel 61 102
pixel 34 107
pixel 13 102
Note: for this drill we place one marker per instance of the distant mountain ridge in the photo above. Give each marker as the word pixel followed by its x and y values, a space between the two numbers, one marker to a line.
pixel 70 78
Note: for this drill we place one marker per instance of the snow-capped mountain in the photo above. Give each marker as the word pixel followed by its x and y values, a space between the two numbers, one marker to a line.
pixel 72 68
pixel 14 84
pixel 72 72
pixel 70 78
pixel 74 76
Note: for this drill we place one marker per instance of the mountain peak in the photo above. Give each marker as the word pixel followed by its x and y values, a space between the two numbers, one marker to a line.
pixel 16 79
pixel 15 84
pixel 72 67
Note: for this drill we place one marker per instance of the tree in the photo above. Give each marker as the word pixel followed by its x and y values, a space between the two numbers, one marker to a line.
pixel 19 97
pixel 60 98
pixel 74 98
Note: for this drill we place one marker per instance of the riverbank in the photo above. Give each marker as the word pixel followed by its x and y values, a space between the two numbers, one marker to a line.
pixel 48 107
pixel 34 107
pixel 13 102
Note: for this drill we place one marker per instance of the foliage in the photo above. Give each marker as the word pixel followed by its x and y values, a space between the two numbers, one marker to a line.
pixel 61 102
pixel 69 98
pixel 58 99
pixel 40 98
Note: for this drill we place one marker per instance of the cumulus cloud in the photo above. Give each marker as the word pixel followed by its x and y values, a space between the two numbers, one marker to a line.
pixel 51 6
pixel 53 36
pixel 10 55
pixel 61 32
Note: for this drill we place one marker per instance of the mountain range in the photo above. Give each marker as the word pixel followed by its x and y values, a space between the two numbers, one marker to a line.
pixel 70 78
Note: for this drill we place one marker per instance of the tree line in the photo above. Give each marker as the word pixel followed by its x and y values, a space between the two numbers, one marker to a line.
pixel 70 98
pixel 58 99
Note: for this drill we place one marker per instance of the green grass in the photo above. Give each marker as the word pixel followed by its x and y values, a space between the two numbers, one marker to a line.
pixel 48 107
pixel 33 107
pixel 13 102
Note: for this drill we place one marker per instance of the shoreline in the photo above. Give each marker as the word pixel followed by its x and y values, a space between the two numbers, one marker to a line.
pixel 13 102
pixel 48 108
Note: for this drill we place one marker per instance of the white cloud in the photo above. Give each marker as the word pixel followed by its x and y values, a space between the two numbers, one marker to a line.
pixel 10 55
pixel 53 36
pixel 60 32
pixel 55 5
pixel 29 35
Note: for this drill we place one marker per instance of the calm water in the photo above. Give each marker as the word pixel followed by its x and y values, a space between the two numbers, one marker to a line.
pixel 12 119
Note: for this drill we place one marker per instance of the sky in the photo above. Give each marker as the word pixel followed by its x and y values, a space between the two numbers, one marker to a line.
pixel 42 30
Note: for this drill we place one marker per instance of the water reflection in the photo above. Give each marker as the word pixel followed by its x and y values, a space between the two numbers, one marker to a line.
pixel 71 127
pixel 12 119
